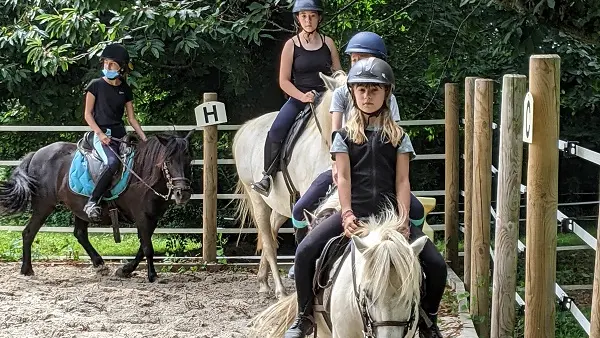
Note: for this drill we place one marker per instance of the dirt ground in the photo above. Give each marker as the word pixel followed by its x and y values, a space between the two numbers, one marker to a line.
pixel 76 301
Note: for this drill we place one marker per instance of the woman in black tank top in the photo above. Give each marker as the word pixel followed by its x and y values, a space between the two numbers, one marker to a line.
pixel 303 57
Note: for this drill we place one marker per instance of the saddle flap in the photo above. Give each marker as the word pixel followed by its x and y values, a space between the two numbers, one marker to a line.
pixel 334 249
pixel 296 130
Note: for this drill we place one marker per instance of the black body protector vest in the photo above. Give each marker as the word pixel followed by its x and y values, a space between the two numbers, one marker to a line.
pixel 373 173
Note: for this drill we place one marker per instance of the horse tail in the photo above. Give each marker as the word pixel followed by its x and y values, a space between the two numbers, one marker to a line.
pixel 275 320
pixel 16 193
pixel 243 211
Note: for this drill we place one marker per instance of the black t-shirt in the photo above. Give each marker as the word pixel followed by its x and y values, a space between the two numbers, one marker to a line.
pixel 109 106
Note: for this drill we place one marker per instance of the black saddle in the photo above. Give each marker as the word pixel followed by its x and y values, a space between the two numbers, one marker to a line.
pixel 94 161
pixel 287 147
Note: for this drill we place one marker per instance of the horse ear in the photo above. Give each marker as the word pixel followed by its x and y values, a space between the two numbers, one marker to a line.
pixel 308 216
pixel 418 245
pixel 360 245
pixel 330 83
pixel 189 135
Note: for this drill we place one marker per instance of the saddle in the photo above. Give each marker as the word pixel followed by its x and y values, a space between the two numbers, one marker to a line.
pixel 87 166
pixel 95 164
pixel 287 147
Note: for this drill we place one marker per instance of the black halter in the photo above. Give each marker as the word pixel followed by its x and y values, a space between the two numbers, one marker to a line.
pixel 369 325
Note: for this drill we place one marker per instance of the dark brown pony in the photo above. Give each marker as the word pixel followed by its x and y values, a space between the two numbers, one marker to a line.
pixel 42 178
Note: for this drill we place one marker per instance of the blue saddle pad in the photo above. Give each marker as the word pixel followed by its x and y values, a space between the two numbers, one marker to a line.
pixel 80 180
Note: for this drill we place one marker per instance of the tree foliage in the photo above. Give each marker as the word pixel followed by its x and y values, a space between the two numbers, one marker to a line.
pixel 180 49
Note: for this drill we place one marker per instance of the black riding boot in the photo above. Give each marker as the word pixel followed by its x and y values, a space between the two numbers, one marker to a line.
pixel 271 166
pixel 429 332
pixel 302 326
pixel 91 208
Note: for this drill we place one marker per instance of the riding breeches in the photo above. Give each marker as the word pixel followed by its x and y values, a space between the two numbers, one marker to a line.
pixel 307 253
pixel 310 200
pixel 434 267
pixel 112 166
pixel 285 119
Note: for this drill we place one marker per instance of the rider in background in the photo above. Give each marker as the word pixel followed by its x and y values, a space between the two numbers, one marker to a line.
pixel 304 56
pixel 372 154
pixel 362 45
pixel 106 99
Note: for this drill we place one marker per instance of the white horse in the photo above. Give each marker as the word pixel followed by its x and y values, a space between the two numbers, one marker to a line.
pixel 386 279
pixel 310 158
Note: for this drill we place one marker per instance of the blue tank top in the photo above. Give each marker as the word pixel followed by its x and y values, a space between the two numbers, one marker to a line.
pixel 307 64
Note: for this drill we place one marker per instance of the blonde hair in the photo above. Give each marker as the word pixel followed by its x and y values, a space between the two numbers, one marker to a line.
pixel 391 131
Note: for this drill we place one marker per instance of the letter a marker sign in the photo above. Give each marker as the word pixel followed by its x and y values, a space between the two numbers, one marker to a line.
pixel 528 118
pixel 210 113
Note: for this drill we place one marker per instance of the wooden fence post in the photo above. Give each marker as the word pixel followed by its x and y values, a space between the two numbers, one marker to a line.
pixel 595 315
pixel 451 175
pixel 468 179
pixel 209 203
pixel 542 196
pixel 510 166
pixel 482 190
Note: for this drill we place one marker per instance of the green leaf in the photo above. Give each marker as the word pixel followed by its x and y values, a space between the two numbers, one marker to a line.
pixel 171 22
pixel 551 3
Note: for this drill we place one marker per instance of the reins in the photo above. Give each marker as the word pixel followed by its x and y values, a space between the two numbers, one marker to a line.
pixel 165 169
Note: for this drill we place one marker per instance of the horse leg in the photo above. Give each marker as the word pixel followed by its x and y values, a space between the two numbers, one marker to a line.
pixel 266 245
pixel 276 222
pixel 38 217
pixel 146 228
pixel 127 269
pixel 81 233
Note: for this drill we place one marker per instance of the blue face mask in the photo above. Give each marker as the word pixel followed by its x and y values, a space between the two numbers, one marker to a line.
pixel 110 74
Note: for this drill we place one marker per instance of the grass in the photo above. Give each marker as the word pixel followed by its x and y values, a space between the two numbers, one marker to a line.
pixel 66 246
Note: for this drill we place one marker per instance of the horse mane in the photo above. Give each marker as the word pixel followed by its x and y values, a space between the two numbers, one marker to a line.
pixel 391 267
pixel 150 155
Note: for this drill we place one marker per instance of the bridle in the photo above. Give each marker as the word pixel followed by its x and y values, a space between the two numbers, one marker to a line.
pixel 170 183
pixel 167 174
pixel 369 325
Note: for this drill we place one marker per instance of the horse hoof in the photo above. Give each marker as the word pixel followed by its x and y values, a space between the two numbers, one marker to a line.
pixel 102 270
pixel 280 294
pixel 121 273
pixel 264 289
pixel 27 272
pixel 152 278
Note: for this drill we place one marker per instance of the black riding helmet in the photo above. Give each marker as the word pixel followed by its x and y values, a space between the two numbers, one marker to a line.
pixel 118 53
pixel 372 70
pixel 307 5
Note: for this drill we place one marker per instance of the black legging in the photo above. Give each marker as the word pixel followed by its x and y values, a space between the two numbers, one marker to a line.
pixel 310 249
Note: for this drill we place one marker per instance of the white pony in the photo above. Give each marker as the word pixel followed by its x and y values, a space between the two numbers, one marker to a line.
pixel 310 158
pixel 386 280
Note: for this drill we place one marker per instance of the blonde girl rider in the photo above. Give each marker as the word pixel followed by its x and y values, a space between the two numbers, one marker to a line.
pixel 106 100
pixel 372 155
pixel 304 56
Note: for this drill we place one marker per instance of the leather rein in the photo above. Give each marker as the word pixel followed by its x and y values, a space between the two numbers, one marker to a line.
pixel 170 180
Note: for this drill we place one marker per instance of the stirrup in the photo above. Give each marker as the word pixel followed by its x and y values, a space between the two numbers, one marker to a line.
pixel 93 210
pixel 258 187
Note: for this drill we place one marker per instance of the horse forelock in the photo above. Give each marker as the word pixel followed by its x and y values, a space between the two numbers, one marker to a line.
pixel 391 269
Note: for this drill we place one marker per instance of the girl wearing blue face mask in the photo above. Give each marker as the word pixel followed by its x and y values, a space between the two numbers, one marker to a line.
pixel 106 100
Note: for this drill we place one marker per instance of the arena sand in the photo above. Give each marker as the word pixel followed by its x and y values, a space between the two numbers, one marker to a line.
pixel 77 301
